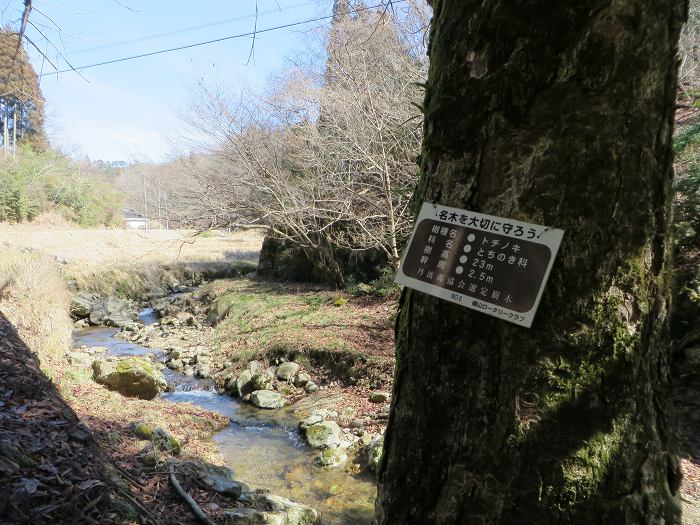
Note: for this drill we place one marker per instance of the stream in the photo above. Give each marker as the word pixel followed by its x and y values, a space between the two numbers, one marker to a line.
pixel 262 447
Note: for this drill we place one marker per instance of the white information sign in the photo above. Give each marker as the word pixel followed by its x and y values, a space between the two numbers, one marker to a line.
pixel 490 264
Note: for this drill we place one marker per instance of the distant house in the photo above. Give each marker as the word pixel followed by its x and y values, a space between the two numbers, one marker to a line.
pixel 134 220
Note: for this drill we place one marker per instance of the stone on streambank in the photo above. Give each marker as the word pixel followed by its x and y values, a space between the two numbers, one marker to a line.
pixel 296 513
pixel 248 516
pixel 81 324
pixel 83 357
pixel 267 509
pixel 156 292
pixel 310 387
pixel 301 379
pixel 81 304
pixel 241 386
pixel 272 510
pixel 309 421
pixel 160 437
pixel 111 311
pixel 379 397
pixel 81 360
pixel 285 379
pixel 130 376
pixel 287 371
pixel 254 366
pixel 337 443
pixel 262 381
pixel 286 390
pixel 194 361
pixel 216 478
pixel 203 370
pixel 267 399
pixel 119 319
pixel 374 453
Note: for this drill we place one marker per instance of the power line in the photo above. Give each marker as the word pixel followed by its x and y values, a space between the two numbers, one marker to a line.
pixel 191 28
pixel 213 41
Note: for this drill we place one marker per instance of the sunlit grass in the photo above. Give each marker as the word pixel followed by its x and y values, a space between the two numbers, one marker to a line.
pixel 254 318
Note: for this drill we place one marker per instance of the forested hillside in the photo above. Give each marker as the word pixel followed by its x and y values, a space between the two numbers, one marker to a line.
pixel 32 183
pixel 34 178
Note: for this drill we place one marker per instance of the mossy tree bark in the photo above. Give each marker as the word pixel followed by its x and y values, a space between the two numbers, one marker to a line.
pixel 557 112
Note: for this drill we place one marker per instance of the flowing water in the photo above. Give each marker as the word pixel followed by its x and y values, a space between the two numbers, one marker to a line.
pixel 263 447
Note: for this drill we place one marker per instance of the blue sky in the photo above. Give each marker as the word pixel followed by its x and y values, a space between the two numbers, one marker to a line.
pixel 128 111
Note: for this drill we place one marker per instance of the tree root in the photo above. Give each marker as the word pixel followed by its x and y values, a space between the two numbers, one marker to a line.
pixel 196 509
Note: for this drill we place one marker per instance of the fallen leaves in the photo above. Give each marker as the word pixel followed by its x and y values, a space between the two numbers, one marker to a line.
pixel 29 485
pixel 46 476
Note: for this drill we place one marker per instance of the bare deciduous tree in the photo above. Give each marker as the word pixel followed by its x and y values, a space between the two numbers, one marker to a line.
pixel 327 157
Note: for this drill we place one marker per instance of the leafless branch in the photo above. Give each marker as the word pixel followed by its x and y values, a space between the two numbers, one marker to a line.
pixel 58 51
pixel 326 160
pixel 126 6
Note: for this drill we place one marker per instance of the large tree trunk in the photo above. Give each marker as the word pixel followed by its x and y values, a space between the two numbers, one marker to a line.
pixel 557 112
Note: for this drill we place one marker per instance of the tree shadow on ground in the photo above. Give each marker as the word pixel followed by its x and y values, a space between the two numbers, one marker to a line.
pixel 686 401
pixel 51 469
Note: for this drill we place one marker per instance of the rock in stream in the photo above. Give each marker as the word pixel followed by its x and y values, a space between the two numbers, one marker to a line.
pixel 131 376
pixel 267 399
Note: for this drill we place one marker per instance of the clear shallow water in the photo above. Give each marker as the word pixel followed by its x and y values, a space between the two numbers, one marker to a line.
pixel 102 336
pixel 148 316
pixel 263 447
pixel 276 458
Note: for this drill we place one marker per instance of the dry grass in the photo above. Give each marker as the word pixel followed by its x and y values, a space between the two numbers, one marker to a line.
pixel 130 262
pixel 90 248
pixel 34 298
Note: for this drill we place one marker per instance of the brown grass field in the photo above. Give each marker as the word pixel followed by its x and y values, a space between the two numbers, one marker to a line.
pixel 80 247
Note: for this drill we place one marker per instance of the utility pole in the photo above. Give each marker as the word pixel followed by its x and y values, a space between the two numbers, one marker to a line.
pixel 167 221
pixel 5 135
pixel 14 131
pixel 145 205
pixel 159 215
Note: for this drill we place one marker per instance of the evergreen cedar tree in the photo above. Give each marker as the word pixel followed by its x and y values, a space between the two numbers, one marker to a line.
pixel 556 112
pixel 20 93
